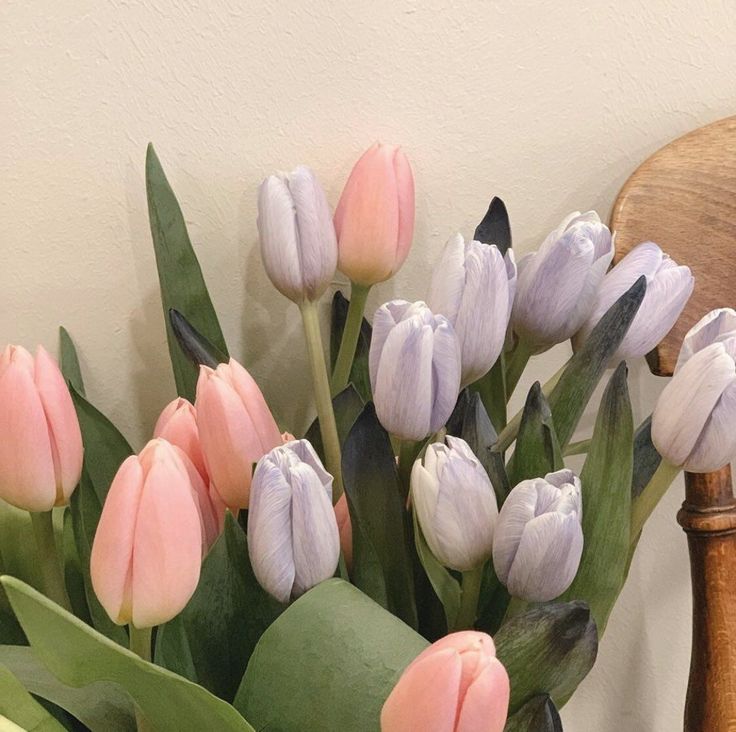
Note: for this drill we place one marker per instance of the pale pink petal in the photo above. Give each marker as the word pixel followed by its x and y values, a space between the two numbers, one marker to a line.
pixel 486 702
pixel 178 425
pixel 405 189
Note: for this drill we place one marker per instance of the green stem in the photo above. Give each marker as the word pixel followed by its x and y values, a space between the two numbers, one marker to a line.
pixel 51 570
pixel 647 500
pixel 516 606
pixel 469 601
pixel 408 451
pixel 577 448
pixel 350 335
pixel 515 365
pixel 140 644
pixel 325 413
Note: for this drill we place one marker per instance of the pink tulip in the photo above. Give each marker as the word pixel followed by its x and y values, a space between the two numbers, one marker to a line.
pixel 236 429
pixel 147 551
pixel 41 444
pixel 345 528
pixel 374 219
pixel 455 685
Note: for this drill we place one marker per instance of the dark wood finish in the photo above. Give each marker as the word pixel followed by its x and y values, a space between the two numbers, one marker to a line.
pixel 684 198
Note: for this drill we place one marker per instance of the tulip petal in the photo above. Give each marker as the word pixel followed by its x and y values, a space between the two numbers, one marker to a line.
pixel 384 319
pixel 446 369
pixel 405 191
pixel 305 452
pixel 448 280
pixel 716 445
pixel 486 703
pixel 717 325
pixel 177 424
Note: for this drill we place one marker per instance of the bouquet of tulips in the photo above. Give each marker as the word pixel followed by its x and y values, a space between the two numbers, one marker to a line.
pixel 419 559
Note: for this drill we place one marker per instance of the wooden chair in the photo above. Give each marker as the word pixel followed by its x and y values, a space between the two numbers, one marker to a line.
pixel 684 198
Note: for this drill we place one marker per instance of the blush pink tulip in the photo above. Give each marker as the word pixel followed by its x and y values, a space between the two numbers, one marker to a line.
pixel 455 685
pixel 236 429
pixel 345 528
pixel 147 550
pixel 41 445
pixel 374 219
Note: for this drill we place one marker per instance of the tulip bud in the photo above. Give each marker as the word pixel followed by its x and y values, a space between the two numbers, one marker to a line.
pixel 455 504
pixel 41 444
pixel 298 243
pixel 715 327
pixel 693 422
pixel 455 685
pixel 414 364
pixel 374 219
pixel 538 539
pixel 473 286
pixel 147 550
pixel 293 539
pixel 668 289
pixel 557 285
pixel 236 429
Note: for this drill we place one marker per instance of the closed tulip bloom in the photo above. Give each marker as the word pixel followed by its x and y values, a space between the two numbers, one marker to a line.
pixel 538 539
pixel 716 326
pixel 669 287
pixel 414 364
pixel 147 550
pixel 236 428
pixel 455 685
pixel 293 539
pixel 694 422
pixel 473 286
pixel 41 444
pixel 557 285
pixel 298 243
pixel 374 219
pixel 455 504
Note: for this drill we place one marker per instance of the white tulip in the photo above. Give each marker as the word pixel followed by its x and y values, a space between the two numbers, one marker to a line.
pixel 557 285
pixel 669 287
pixel 473 286
pixel 298 241
pixel 455 504
pixel 293 540
pixel 414 364
pixel 716 326
pixel 538 541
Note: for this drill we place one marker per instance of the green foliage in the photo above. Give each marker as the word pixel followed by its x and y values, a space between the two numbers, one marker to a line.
pixel 359 375
pixel 539 714
pixel 193 344
pixel 17 705
pixel 347 406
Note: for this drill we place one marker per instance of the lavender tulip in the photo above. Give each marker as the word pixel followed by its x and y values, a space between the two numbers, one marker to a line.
pixel 557 285
pixel 473 286
pixel 669 287
pixel 298 241
pixel 455 504
pixel 293 539
pixel 538 539
pixel 716 326
pixel 414 364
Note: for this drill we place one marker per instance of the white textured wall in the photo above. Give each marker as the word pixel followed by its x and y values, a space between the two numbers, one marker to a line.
pixel 550 105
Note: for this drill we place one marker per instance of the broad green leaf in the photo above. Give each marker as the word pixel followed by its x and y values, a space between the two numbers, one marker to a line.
pixel 493 602
pixel 382 564
pixel 539 714
pixel 327 664
pixel 606 492
pixel 182 285
pixel 211 640
pixel 359 375
pixel 495 227
pixel 194 345
pixel 78 655
pixel 537 450
pixel 547 650
pixel 584 370
pixel 73 571
pixel 347 406
pixel 646 458
pixel 102 706
pixel 69 361
pixel 18 706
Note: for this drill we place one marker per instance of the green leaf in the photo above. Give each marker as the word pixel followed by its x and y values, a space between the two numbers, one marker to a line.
pixel 537 450
pixel 492 390
pixel 18 706
pixel 646 458
pixel 69 361
pixel 547 650
pixel 193 344
pixel 102 706
pixel 327 664
pixel 493 602
pixel 539 714
pixel 382 565
pixel 182 285
pixel 73 570
pixel 584 370
pixel 347 406
pixel 359 375
pixel 78 655
pixel 211 640
pixel 606 493
pixel 495 227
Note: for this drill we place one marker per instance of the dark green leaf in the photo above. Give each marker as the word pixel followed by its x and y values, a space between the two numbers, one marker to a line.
pixel 17 705
pixel 359 375
pixel 492 390
pixel 539 714
pixel 73 570
pixel 547 650
pixel 606 490
pixel 327 664
pixel 382 564
pixel 180 276
pixel 584 370
pixel 493 603
pixel 69 361
pixel 211 640
pixel 347 405
pixel 194 345
pixel 78 655
pixel 495 227
pixel 646 458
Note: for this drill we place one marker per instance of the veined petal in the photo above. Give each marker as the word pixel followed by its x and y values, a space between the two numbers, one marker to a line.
pixel 446 369
pixel 716 445
pixel 448 280
pixel 486 703
pixel 717 325
pixel 384 320
pixel 305 452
